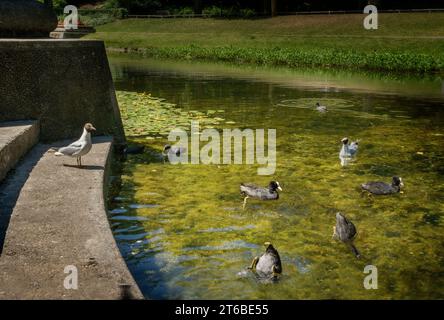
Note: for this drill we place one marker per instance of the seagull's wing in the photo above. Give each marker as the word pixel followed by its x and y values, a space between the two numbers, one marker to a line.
pixel 353 147
pixel 72 149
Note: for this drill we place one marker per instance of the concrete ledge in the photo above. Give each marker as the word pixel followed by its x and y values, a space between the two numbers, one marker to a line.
pixel 59 219
pixel 16 138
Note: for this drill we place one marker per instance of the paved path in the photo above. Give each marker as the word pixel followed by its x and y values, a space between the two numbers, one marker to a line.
pixel 59 219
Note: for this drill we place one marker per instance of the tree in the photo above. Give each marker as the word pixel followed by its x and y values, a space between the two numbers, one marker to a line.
pixel 197 6
pixel 273 8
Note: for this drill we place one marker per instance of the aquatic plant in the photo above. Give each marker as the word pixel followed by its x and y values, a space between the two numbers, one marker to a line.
pixel 144 115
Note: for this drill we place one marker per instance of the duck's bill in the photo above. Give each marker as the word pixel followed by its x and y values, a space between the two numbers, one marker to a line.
pixel 93 129
pixel 279 188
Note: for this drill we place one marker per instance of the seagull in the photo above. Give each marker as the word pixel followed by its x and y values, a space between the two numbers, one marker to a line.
pixel 80 147
pixel 320 108
pixel 348 150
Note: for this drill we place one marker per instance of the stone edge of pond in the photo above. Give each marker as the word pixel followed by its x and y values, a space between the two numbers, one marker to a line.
pixel 59 221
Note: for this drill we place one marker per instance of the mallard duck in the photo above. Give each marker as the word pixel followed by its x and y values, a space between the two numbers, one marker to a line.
pixel 268 265
pixel 250 190
pixel 320 108
pixel 80 147
pixel 345 231
pixel 382 188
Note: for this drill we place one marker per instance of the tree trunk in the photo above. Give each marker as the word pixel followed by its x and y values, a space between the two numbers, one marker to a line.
pixel 197 6
pixel 273 8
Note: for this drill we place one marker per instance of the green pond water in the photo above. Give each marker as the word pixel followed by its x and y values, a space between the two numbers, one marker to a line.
pixel 182 230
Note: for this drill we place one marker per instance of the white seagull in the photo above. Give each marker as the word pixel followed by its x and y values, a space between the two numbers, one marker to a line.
pixel 80 147
pixel 348 151
pixel 320 108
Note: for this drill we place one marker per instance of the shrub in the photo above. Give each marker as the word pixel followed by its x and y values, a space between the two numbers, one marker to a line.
pixel 228 12
pixel 212 11
pixel 247 13
pixel 96 17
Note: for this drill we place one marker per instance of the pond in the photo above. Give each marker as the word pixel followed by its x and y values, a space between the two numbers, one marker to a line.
pixel 183 232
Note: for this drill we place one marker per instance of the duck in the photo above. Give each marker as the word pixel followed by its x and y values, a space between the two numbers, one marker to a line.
pixel 173 150
pixel 382 188
pixel 320 108
pixel 268 265
pixel 80 147
pixel 134 149
pixel 250 190
pixel 345 231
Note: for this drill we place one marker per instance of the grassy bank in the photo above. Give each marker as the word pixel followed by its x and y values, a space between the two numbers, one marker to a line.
pixel 412 42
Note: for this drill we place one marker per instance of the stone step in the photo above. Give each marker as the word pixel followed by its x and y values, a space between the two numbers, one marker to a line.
pixel 16 139
pixel 53 223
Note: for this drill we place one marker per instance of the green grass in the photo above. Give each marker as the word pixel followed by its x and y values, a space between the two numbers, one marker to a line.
pixel 411 42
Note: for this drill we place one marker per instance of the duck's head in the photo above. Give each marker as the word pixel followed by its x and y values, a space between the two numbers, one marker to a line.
pixel 166 148
pixel 345 140
pixel 397 181
pixel 274 185
pixel 268 246
pixel 270 249
pixel 318 104
pixel 89 127
pixel 339 216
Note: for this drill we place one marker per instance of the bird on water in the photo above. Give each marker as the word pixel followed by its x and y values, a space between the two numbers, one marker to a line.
pixel 249 190
pixel 320 108
pixel 345 231
pixel 382 188
pixel 268 265
pixel 80 147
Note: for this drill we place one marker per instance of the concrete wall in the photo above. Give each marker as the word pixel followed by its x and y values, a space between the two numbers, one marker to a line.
pixel 63 83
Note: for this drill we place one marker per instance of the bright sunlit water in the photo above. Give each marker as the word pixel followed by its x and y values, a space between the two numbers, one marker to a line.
pixel 182 230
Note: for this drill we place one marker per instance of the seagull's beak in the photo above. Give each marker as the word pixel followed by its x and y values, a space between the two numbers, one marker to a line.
pixel 267 244
pixel 279 188
pixel 93 129
pixel 401 184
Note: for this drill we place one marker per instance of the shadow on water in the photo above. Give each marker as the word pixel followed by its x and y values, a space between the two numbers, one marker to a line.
pixel 127 228
pixel 11 186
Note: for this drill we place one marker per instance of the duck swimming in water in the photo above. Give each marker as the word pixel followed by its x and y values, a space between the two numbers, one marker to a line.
pixel 382 188
pixel 345 231
pixel 268 265
pixel 320 108
pixel 168 149
pixel 250 190
pixel 173 151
